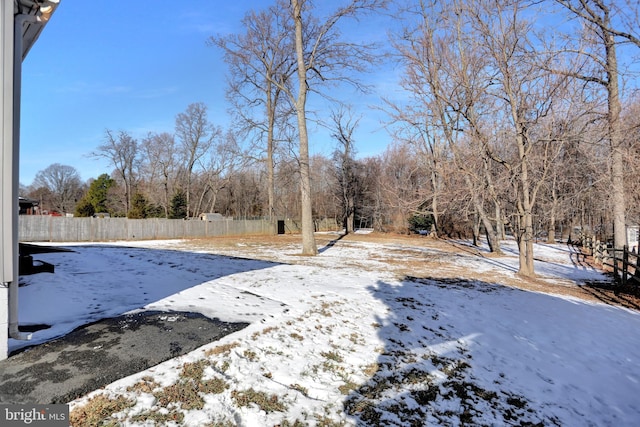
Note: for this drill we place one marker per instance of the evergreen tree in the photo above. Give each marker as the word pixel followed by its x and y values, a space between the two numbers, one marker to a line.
pixel 95 200
pixel 84 208
pixel 178 208
pixel 139 207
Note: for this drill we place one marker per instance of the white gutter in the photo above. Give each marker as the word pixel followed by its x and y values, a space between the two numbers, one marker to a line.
pixel 18 22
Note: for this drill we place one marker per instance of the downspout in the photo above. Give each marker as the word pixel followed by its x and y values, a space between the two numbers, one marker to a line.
pixel 18 26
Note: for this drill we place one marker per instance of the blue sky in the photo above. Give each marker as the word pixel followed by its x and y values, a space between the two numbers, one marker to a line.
pixel 134 65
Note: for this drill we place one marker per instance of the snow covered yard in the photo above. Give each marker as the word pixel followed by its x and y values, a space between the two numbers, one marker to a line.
pixel 372 331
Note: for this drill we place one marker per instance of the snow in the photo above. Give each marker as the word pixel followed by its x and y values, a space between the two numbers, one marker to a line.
pixel 348 337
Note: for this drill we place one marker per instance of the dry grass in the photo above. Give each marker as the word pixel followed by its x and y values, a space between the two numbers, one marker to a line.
pixel 266 402
pixel 437 254
pixel 98 411
pixel 222 349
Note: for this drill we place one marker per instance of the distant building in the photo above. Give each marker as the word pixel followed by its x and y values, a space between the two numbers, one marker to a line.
pixel 211 217
pixel 28 206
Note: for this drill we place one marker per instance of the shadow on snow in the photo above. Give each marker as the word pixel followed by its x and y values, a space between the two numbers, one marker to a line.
pixel 463 352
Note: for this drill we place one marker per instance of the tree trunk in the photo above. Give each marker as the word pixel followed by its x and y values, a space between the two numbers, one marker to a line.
pixel 551 229
pixel 350 223
pixel 615 138
pixel 308 239
pixel 499 222
pixel 476 230
pixel 551 233
pixel 271 113
pixel 492 238
pixel 525 242
pixel 434 202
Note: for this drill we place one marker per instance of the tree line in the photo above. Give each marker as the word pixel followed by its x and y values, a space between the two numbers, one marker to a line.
pixel 515 116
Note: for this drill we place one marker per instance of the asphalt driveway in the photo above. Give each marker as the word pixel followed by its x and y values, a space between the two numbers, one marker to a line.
pixel 97 354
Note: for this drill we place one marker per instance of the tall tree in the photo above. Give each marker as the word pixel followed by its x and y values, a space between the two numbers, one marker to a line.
pixel 257 59
pixel 123 152
pixel 224 158
pixel 321 56
pixel 525 95
pixel 345 165
pixel 63 185
pixel 612 23
pixel 401 181
pixel 446 81
pixel 160 167
pixel 196 135
pixel 97 195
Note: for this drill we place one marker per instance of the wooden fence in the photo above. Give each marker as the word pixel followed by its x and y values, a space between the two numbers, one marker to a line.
pixel 623 263
pixel 44 228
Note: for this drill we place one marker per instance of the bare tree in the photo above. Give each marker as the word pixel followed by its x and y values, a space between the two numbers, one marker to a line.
pixel 160 167
pixel 402 179
pixel 345 165
pixel 257 59
pixel 123 152
pixel 611 23
pixel 63 185
pixel 224 159
pixel 446 80
pixel 323 188
pixel 196 135
pixel 525 94
pixel 321 57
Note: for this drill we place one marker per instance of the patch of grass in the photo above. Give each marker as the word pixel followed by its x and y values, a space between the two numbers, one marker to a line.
pixel 332 355
pixel 251 355
pixel 324 421
pixel 301 389
pixel 272 350
pixel 329 366
pixel 265 331
pixel 347 387
pixel 364 409
pixel 194 370
pixel 456 369
pixel 324 309
pixel 98 411
pixel 375 388
pixel 266 402
pixel 296 336
pixel 425 397
pixel 416 376
pixel 222 368
pixel 159 418
pixel 145 385
pixel 222 349
pixel 184 393
pixel 221 423
pixel 371 369
pixel 356 338
pixel 213 386
pixel 296 423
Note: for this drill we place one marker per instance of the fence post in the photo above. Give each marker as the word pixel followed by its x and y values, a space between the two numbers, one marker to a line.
pixel 605 253
pixel 616 277
pixel 625 264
